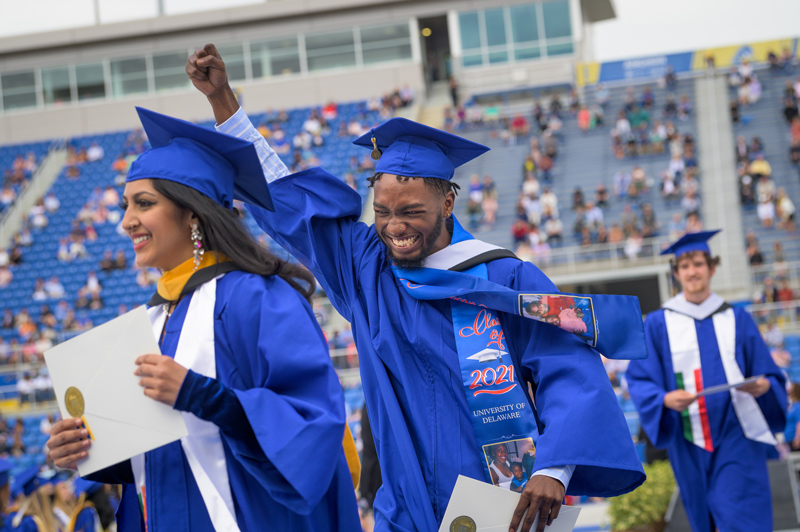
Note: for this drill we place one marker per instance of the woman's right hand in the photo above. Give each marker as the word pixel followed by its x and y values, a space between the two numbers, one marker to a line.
pixel 68 443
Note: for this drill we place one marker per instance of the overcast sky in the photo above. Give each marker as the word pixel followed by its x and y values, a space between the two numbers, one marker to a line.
pixel 642 27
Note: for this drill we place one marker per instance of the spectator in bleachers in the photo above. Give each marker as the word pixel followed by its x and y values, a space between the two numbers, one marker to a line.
pixel 633 245
pixel 95 152
pixel 5 276
pixel 7 196
pixel 54 288
pixel 690 202
pixel 51 202
pixel 43 386
pixel 519 231
pixel 669 190
pixel 734 110
pixel 754 255
pixel 766 211
pixel 676 227
pixel 24 238
pixel 615 234
pixel 747 193
pixel 15 256
pixel 93 283
pixel 37 216
pixel 549 202
pixel 584 119
pixel 47 318
pixel 792 430
pixel 553 227
pixel 120 260
pixel 489 201
pixel 5 257
pixel 578 200
pixel 785 292
pixel 107 262
pixel 760 166
pixel 146 277
pixel 785 209
pixel 742 149
pixel 38 290
pixel 638 182
pixel 649 223
pixel 593 216
pixel 25 389
pixel 8 319
pixel 684 107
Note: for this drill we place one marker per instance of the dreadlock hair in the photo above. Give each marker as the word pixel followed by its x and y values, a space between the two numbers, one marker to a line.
pixel 224 232
pixel 442 186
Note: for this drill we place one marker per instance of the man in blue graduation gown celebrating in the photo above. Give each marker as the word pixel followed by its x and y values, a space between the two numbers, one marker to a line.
pixel 436 414
pixel 717 443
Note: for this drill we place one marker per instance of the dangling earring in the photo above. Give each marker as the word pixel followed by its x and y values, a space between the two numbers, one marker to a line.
pixel 197 244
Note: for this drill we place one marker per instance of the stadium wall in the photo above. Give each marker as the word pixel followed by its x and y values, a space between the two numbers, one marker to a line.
pixel 248 23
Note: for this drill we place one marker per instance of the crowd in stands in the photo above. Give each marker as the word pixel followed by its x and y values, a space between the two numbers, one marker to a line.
pixel 538 226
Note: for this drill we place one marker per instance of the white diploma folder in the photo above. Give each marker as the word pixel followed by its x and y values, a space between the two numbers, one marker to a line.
pixel 491 508
pixel 100 363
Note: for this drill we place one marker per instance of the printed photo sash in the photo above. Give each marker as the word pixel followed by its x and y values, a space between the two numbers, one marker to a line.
pixel 501 414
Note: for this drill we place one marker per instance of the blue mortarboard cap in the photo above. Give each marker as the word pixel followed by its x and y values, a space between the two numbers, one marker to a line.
pixel 416 150
pixel 218 165
pixel 26 482
pixel 85 486
pixel 691 242
pixel 5 468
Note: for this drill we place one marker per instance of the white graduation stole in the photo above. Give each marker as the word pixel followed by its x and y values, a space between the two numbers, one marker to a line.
pixel 203 446
pixel 685 352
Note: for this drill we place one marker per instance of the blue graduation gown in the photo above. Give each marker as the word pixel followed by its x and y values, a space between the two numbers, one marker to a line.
pixel 411 374
pixel 292 474
pixel 87 520
pixel 734 476
pixel 26 525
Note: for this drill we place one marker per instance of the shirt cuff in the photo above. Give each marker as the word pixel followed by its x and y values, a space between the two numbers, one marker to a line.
pixel 239 125
pixel 562 474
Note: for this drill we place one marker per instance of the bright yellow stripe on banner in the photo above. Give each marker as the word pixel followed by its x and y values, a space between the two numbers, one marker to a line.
pixel 587 74
pixel 724 56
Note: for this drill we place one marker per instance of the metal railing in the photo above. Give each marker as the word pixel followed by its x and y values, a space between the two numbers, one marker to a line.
pixel 575 259
pixel 785 314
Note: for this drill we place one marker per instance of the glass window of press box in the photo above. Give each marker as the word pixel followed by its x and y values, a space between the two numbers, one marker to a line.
pixel 165 71
pixel 515 33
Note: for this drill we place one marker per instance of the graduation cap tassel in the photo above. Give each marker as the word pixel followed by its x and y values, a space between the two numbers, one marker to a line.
pixel 376 153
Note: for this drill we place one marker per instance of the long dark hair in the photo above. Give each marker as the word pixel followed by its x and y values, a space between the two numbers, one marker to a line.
pixel 224 232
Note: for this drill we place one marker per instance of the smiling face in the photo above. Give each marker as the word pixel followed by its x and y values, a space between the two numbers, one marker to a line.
pixel 694 273
pixel 160 230
pixel 518 473
pixel 409 219
pixel 501 454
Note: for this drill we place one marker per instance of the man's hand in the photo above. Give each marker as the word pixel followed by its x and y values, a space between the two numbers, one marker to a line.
pixel 161 379
pixel 756 388
pixel 679 400
pixel 542 495
pixel 207 72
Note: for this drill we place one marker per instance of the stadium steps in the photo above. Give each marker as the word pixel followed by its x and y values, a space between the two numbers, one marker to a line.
pixel 719 189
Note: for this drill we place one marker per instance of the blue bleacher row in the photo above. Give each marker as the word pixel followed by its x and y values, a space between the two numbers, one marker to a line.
pixel 9 153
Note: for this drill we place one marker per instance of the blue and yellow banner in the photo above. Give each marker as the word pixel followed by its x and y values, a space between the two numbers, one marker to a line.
pixel 657 65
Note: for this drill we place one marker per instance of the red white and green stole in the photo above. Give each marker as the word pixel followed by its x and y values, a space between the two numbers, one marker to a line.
pixel 685 351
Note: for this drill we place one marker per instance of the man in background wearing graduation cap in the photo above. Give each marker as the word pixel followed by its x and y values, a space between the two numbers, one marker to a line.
pixel 425 407
pixel 717 443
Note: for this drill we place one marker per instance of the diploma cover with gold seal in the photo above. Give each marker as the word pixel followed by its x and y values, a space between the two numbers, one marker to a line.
pixel 93 378
pixel 73 399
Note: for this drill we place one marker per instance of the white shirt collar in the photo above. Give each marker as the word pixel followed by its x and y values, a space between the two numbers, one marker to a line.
pixel 699 312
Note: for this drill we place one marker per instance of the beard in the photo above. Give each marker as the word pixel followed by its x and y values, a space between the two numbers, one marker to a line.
pixel 419 261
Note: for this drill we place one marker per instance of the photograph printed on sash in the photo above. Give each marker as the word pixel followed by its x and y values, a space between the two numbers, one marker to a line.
pixel 571 313
pixel 511 462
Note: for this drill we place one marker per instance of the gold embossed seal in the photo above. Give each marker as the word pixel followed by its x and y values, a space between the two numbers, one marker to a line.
pixel 74 401
pixel 463 523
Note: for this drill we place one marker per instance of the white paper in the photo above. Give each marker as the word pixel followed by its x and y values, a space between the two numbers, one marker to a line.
pixel 724 387
pixel 492 508
pixel 100 363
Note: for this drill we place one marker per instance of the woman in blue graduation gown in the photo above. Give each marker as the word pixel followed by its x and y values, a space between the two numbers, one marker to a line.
pixel 243 358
